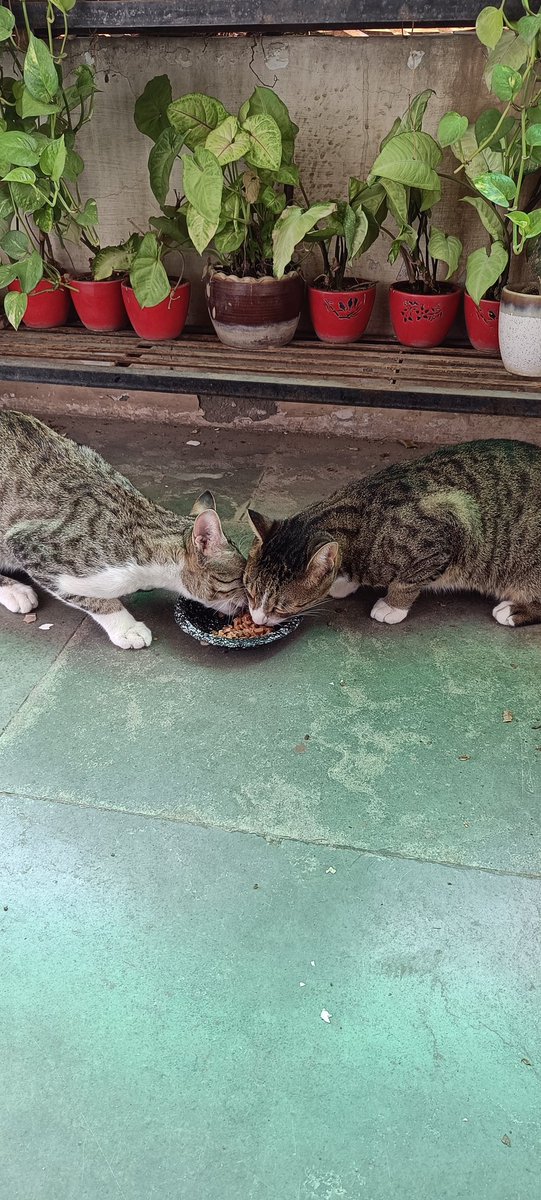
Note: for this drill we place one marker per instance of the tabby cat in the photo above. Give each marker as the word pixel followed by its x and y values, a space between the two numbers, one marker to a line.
pixel 466 516
pixel 84 533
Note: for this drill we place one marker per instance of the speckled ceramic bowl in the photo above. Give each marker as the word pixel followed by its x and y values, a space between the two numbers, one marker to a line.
pixel 203 624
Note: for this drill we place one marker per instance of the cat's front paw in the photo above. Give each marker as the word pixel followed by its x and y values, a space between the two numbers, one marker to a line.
pixel 18 597
pixel 135 637
pixel 384 612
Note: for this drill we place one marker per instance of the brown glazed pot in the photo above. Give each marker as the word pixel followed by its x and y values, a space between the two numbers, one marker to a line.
pixel 254 314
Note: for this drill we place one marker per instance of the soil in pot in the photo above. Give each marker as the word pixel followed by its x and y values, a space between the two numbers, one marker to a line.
pixel 99 306
pixel 251 313
pixel 482 324
pixel 423 320
pixel 341 317
pixel 48 305
pixel 520 332
pixel 162 321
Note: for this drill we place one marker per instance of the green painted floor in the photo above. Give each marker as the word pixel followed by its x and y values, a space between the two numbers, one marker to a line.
pixel 201 853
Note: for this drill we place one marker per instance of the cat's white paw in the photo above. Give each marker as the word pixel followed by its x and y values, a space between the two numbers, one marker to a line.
pixel 384 612
pixel 123 631
pixel 18 597
pixel 502 613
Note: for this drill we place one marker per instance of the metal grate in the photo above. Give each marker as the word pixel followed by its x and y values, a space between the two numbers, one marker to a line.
pixel 366 374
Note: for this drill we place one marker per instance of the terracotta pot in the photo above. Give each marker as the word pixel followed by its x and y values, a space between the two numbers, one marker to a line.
pixel 48 305
pixel 161 321
pixel 423 320
pixel 340 317
pixel 482 324
pixel 520 332
pixel 254 313
pixel 99 306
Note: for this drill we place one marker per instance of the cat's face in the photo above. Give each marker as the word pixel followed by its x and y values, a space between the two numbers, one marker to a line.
pixel 213 568
pixel 288 570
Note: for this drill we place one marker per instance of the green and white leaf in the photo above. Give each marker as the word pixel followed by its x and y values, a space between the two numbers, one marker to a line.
pixel 39 71
pixel 355 231
pixel 200 230
pixel 264 100
pixel 265 148
pixel 228 142
pixel 19 149
pixel 506 82
pixel 490 128
pixel 165 150
pixel 28 106
pixel 483 270
pixel 290 229
pixel 274 201
pixel 148 276
pixel 88 216
pixel 53 159
pixel 8 274
pixel 498 188
pixel 15 304
pixel 195 116
pixel 20 175
pixel 229 239
pixel 30 271
pixel 203 183
pixel 7 23
pixel 112 260
pixel 511 52
pixel 16 244
pixel 489 26
pixel 445 248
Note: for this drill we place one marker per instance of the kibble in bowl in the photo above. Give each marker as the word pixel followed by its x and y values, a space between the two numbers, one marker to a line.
pixel 212 628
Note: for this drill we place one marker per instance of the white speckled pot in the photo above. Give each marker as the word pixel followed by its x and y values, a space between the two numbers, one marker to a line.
pixel 520 332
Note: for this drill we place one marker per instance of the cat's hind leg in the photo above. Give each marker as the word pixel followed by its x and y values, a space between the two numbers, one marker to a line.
pixel 514 613
pixel 17 597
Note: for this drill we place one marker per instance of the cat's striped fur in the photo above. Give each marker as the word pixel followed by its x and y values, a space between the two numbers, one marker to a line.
pixel 81 531
pixel 467 516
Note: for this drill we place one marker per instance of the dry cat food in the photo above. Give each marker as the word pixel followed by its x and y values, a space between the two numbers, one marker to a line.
pixel 243 627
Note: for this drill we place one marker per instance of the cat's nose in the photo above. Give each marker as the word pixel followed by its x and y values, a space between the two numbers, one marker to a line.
pixel 258 616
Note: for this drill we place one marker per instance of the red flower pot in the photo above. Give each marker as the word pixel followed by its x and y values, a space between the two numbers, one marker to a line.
pixel 482 324
pixel 341 317
pixel 99 306
pixel 161 321
pixel 422 320
pixel 48 305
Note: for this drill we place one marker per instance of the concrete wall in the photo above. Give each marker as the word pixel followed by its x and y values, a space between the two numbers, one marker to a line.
pixel 343 92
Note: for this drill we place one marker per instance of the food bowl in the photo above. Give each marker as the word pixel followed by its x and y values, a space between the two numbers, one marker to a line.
pixel 203 624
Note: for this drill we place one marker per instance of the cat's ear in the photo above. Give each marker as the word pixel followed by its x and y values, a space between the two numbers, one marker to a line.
pixel 207 535
pixel 262 526
pixel 204 503
pixel 324 560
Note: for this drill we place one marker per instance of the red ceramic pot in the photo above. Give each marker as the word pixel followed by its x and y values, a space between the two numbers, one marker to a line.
pixel 340 317
pixel 48 305
pixel 99 306
pixel 482 324
pixel 422 320
pixel 161 321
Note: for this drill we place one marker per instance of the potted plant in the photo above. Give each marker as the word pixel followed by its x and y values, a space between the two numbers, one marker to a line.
pixel 341 304
pixel 501 156
pixel 237 186
pixel 423 307
pixel 157 305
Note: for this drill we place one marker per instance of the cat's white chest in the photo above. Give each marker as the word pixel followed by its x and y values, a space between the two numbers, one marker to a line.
pixel 121 580
pixel 343 586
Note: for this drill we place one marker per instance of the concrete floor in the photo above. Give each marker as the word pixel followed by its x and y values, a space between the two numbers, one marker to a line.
pixel 199 853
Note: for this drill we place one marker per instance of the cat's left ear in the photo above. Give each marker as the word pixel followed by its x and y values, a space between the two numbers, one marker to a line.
pixel 203 503
pixel 208 536
pixel 324 559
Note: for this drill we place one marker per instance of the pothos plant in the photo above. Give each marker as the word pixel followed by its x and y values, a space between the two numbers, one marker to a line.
pixel 41 114
pixel 406 169
pixel 500 153
pixel 350 230
pixel 238 176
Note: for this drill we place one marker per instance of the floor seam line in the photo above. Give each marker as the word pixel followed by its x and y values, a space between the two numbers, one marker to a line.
pixel 41 679
pixel 272 839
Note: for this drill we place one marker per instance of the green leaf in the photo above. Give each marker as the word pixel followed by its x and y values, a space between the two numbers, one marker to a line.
pixel 203 183
pixel 7 24
pixel 160 161
pixel 44 218
pixel 275 202
pixel 150 114
pixel 74 165
pixel 413 118
pixel 40 74
pixel 534 223
pixel 195 116
pixel 173 228
pixel 528 28
pixel 533 135
pixel 53 159
pixel 6 206
pixel 19 149
pixel 498 188
pixel 511 51
pixel 20 175
pixel 112 260
pixel 88 216
pixel 451 128
pixel 28 106
pixel 30 271
pixel 506 82
pixel 409 158
pixel 200 229
pixel 148 276
pixel 483 270
pixel 26 197
pixel 406 237
pixel 8 274
pixel 265 101
pixel 486 215
pixel 521 219
pixel 486 125
pixel 265 148
pixel 229 239
pixel 16 244
pixel 397 200
pixel 489 26
pixel 445 248
pixel 228 142
pixel 290 229
pixel 429 199
pixel 355 231
pixel 287 174
pixel 15 307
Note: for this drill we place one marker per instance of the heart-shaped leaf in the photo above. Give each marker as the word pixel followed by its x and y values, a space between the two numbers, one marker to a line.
pixel 30 271
pixel 7 24
pixel 486 215
pixel 148 276
pixel 203 183
pixel 498 188
pixel 228 142
pixel 160 161
pixel 195 116
pixel 484 270
pixel 265 148
pixel 15 304
pixel 19 149
pixel 506 82
pixel 445 248
pixel 290 229
pixel 16 244
pixel 265 101
pixel 451 128
pixel 489 26
pixel 201 231
pixel 410 158
pixel 39 71
pixel 150 113
pixel 53 159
